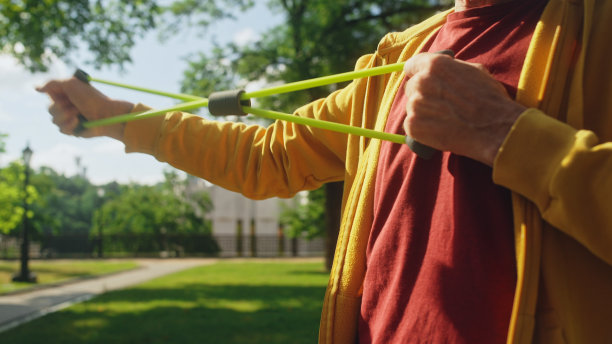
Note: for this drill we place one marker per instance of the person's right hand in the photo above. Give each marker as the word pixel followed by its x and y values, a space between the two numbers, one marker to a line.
pixel 72 97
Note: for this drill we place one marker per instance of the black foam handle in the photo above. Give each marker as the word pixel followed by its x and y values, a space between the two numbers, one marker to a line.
pixel 421 150
pixel 227 103
pixel 84 77
pixel 81 75
pixel 446 52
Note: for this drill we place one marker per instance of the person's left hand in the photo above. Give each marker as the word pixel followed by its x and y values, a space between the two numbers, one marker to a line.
pixel 457 106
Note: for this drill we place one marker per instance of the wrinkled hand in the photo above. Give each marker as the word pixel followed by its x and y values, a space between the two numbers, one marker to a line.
pixel 457 106
pixel 72 97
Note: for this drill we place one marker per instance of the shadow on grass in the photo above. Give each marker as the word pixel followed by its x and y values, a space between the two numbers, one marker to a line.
pixel 193 313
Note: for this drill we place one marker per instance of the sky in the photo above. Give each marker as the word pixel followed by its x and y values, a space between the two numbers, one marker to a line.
pixel 24 116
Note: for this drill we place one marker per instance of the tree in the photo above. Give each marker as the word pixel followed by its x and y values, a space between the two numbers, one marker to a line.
pixel 12 194
pixel 34 31
pixel 162 217
pixel 66 204
pixel 306 217
pixel 157 209
pixel 11 197
pixel 317 38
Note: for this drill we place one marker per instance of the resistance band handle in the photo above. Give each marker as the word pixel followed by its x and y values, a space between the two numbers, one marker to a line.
pixel 84 77
pixel 227 103
pixel 420 149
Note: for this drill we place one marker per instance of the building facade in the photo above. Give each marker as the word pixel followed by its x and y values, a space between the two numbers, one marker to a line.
pixel 245 227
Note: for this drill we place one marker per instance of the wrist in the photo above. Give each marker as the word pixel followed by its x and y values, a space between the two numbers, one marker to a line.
pixel 510 113
pixel 116 108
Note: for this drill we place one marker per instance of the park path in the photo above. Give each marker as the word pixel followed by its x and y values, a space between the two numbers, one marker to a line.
pixel 16 309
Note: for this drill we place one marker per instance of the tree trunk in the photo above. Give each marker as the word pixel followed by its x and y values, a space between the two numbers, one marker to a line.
pixel 333 210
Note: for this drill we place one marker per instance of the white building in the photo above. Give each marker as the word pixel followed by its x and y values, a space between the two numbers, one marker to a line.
pixel 236 220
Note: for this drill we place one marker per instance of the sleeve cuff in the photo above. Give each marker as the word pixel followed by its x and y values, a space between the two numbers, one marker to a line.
pixel 141 136
pixel 532 154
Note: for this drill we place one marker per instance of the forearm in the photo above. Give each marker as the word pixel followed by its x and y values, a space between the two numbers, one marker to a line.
pixel 259 162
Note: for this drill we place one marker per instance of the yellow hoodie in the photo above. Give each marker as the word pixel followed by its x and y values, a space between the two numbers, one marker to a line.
pixel 560 174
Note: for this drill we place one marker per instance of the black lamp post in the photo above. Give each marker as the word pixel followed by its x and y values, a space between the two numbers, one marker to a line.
pixel 25 275
pixel 101 193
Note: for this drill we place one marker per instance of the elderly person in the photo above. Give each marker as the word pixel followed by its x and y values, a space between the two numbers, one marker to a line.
pixel 505 235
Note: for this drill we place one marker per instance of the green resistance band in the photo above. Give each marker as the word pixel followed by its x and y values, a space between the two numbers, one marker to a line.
pixel 192 102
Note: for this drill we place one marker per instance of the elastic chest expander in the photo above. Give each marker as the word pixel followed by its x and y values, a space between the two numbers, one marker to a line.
pixel 237 103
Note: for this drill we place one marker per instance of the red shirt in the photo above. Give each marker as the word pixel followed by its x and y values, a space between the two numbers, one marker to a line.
pixel 440 258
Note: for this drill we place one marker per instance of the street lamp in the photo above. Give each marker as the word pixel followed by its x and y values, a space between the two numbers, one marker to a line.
pixel 25 275
pixel 101 193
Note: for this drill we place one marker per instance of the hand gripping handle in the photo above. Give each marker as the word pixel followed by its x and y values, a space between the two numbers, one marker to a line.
pixel 420 149
pixel 84 77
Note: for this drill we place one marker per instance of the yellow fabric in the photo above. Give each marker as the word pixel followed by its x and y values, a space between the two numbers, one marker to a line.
pixel 562 178
pixel 561 174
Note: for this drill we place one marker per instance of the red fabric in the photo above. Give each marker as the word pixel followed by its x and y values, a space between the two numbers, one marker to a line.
pixel 440 258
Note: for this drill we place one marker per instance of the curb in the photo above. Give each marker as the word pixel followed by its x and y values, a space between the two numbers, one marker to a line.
pixel 64 282
pixel 40 313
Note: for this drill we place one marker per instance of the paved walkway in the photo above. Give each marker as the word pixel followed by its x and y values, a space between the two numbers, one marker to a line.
pixel 17 309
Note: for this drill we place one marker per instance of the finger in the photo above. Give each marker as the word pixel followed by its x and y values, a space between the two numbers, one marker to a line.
pixel 52 89
pixel 500 87
pixel 55 91
pixel 67 125
pixel 63 116
pixel 478 66
pixel 70 90
pixel 53 84
pixel 424 62
pixel 63 107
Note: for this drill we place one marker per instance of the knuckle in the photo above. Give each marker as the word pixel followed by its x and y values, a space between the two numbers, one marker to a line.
pixel 415 100
pixel 438 62
pixel 480 67
pixel 411 127
pixel 413 110
pixel 408 124
pixel 418 84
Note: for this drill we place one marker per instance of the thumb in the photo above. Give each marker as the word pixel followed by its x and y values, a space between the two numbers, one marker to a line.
pixel 53 89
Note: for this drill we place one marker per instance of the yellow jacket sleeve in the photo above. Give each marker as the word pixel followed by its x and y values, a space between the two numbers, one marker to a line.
pixel 259 162
pixel 566 173
pixel 566 169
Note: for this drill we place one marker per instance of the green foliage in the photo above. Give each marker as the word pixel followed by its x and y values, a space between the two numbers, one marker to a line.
pixel 308 217
pixel 185 14
pixel 317 38
pixel 61 205
pixel 13 194
pixel 66 205
pixel 2 143
pixel 159 209
pixel 207 74
pixel 33 31
pixel 11 197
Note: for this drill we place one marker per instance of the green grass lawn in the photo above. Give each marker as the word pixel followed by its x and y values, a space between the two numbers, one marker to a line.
pixel 58 271
pixel 229 302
